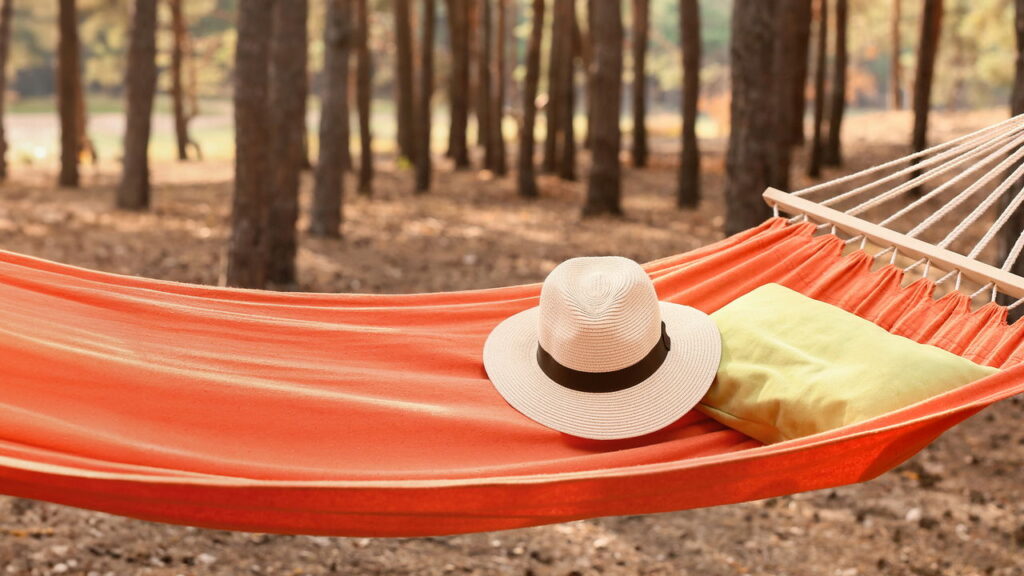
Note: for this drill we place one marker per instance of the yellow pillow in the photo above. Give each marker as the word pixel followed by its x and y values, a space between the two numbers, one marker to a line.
pixel 793 366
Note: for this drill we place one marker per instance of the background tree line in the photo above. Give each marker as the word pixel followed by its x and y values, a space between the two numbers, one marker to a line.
pixel 549 76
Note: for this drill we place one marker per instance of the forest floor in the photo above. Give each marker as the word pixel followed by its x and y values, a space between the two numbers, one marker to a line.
pixel 957 508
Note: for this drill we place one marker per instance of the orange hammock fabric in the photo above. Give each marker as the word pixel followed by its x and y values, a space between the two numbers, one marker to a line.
pixel 371 415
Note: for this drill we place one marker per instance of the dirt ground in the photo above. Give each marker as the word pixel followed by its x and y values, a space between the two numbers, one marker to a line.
pixel 957 508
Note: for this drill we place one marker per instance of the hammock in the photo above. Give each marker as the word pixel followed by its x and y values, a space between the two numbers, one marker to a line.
pixel 371 415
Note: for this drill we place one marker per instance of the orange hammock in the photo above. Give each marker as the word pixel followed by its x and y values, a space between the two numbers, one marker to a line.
pixel 372 415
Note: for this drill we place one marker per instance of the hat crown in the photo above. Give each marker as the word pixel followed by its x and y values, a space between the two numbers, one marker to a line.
pixel 598 314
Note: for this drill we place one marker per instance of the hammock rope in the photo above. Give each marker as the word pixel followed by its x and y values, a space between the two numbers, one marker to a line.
pixel 980 172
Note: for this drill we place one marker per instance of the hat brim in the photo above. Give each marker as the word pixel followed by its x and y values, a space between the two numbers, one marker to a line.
pixel 510 358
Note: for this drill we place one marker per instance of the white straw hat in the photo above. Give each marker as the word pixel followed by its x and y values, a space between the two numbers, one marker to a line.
pixel 601 357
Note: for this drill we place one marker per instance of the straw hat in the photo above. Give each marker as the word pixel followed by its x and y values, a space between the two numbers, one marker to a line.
pixel 601 357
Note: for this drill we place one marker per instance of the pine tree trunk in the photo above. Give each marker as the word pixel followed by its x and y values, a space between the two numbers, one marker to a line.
pixel 459 89
pixel 688 193
pixel 68 80
pixel 6 13
pixel 329 187
pixel 895 67
pixel 404 81
pixel 179 28
pixel 567 95
pixel 587 48
pixel 640 18
pixel 288 91
pixel 604 187
pixel 928 48
pixel 833 155
pixel 247 249
pixel 423 95
pixel 140 86
pixel 752 145
pixel 364 72
pixel 553 121
pixel 814 166
pixel 792 45
pixel 498 163
pixel 527 176
pixel 483 76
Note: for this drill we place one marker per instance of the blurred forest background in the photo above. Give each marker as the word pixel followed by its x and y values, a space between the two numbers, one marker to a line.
pixel 392 146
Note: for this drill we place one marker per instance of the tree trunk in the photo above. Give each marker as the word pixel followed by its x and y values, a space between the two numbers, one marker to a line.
pixel 527 177
pixel 247 249
pixel 604 188
pixel 833 153
pixel 364 71
pixel 68 81
pixel 426 90
pixel 640 17
pixel 587 49
pixel 814 166
pixel 567 95
pixel 179 28
pixel 552 113
pixel 404 82
pixel 288 91
pixel 497 162
pixel 752 145
pixel 329 188
pixel 483 78
pixel 140 85
pixel 928 48
pixel 792 46
pixel 895 68
pixel 6 13
pixel 458 16
pixel 688 193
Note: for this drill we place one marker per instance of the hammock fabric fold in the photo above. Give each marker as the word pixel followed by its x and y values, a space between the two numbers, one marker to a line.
pixel 371 415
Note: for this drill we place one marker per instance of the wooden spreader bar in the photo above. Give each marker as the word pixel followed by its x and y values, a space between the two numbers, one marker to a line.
pixel 1005 282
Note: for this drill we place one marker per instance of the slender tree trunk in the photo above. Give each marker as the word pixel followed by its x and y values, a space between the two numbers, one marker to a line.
pixel 552 113
pixel 833 154
pixel 6 13
pixel 752 145
pixel 688 193
pixel 458 16
pixel 179 28
pixel 68 81
pixel 404 81
pixel 527 176
pixel 895 67
pixel 140 85
pixel 247 249
pixel 484 82
pixel 329 188
pixel 640 18
pixel 604 188
pixel 797 68
pixel 498 163
pixel 587 48
pixel 928 48
pixel 426 90
pixel 288 87
pixel 567 95
pixel 364 72
pixel 792 46
pixel 814 166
